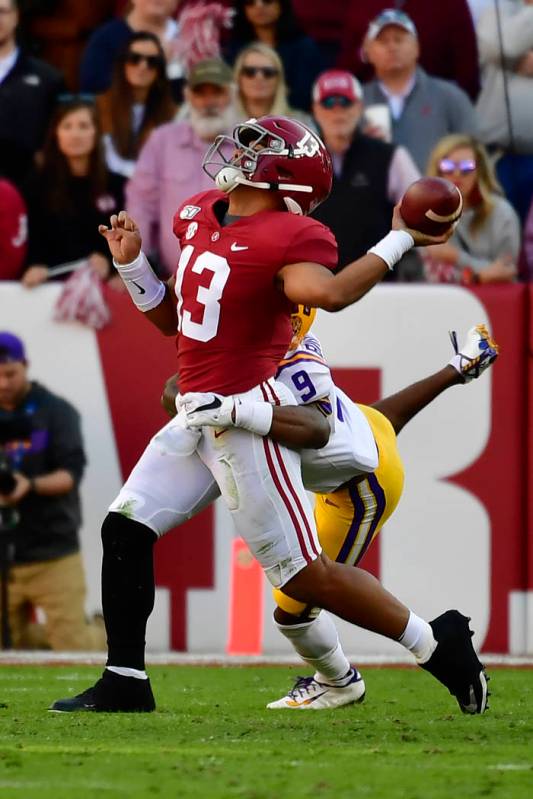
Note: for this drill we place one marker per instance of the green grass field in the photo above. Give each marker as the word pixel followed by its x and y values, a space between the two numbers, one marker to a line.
pixel 211 737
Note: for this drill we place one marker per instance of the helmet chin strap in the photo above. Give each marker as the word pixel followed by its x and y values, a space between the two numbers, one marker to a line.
pixel 229 178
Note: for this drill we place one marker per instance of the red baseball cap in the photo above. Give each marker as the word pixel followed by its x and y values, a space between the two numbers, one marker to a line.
pixel 337 83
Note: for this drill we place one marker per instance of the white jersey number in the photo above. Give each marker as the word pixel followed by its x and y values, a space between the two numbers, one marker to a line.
pixel 208 296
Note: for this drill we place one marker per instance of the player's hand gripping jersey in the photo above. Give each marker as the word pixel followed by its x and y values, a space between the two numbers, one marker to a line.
pixel 351 450
pixel 234 321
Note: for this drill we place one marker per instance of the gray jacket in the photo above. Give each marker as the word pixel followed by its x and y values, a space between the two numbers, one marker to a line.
pixel 434 108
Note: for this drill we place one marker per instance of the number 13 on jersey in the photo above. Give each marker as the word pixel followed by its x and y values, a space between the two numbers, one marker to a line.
pixel 208 296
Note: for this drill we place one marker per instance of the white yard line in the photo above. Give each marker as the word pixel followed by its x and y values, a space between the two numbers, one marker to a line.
pixel 12 657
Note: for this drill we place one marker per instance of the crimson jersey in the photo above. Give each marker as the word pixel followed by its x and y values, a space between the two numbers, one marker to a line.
pixel 234 322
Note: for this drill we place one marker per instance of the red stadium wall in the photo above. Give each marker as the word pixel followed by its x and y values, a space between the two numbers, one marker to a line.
pixel 497 477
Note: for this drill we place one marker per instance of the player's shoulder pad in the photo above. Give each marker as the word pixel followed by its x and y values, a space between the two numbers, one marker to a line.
pixel 194 208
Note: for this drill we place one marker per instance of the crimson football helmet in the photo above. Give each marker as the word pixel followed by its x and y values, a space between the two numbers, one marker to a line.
pixel 273 153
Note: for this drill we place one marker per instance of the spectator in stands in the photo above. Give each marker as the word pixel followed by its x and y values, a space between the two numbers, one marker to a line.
pixel 169 168
pixel 138 101
pixel 261 87
pixel 155 16
pixel 423 109
pixel 41 437
pixel 272 22
pixel 70 195
pixel 28 91
pixel 505 108
pixel 13 231
pixel 370 176
pixel 485 245
pixel 446 32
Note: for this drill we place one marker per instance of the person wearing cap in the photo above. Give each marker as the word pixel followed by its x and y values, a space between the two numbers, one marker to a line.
pixel 423 108
pixel 169 168
pixel 446 32
pixel 369 175
pixel 41 444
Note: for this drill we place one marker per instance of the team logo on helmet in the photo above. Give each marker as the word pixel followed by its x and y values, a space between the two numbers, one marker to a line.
pixel 308 146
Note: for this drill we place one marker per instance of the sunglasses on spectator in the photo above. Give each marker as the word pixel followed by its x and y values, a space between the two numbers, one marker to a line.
pixel 465 167
pixel 266 72
pixel 259 2
pixel 335 100
pixel 152 61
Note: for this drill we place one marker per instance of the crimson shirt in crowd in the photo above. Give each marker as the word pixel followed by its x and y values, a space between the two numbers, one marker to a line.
pixel 13 231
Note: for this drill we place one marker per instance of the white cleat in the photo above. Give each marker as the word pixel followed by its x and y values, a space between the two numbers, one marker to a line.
pixel 309 694
pixel 477 353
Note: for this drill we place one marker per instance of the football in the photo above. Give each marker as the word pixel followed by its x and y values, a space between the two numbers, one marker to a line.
pixel 431 205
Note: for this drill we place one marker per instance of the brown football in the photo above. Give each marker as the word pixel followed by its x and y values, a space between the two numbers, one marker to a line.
pixel 431 205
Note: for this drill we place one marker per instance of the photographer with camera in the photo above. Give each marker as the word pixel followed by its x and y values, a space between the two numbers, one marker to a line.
pixel 41 464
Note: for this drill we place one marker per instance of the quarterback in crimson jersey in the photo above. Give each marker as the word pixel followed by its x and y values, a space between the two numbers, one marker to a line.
pixel 220 347
pixel 273 172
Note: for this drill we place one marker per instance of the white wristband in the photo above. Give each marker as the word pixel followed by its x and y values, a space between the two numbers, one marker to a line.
pixel 254 416
pixel 391 248
pixel 144 287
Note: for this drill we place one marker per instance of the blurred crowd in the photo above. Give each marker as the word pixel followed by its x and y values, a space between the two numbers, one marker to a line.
pixel 113 104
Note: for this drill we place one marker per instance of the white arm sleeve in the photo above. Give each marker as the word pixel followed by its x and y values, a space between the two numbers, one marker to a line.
pixel 144 287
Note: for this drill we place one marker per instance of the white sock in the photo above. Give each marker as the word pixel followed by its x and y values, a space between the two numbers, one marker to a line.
pixel 317 642
pixel 124 671
pixel 418 638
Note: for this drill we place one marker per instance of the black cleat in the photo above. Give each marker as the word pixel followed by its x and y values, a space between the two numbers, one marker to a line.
pixel 455 664
pixel 111 694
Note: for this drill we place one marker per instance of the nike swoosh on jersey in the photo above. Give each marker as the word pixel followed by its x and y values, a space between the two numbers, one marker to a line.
pixel 219 433
pixel 141 290
pixel 236 247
